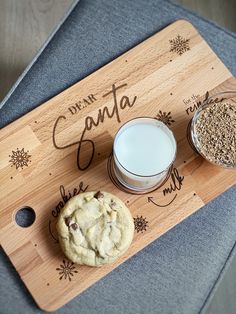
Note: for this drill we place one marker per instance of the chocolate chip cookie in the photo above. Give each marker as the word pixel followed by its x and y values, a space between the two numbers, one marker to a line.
pixel 95 228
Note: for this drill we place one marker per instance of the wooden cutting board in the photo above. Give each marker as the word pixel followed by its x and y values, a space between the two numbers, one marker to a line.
pixel 63 147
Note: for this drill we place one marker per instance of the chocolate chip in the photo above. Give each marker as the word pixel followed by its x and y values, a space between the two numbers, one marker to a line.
pixel 98 195
pixel 74 226
pixel 68 221
pixel 113 204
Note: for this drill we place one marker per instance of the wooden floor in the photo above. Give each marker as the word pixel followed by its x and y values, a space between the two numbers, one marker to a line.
pixel 220 11
pixel 26 24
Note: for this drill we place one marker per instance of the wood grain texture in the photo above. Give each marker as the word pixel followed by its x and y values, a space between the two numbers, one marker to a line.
pixel 162 78
pixel 24 27
pixel 26 24
pixel 219 11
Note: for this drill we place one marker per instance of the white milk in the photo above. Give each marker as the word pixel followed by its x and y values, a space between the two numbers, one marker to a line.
pixel 144 149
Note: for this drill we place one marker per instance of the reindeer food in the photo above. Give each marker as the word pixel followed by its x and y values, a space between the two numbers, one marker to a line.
pixel 215 133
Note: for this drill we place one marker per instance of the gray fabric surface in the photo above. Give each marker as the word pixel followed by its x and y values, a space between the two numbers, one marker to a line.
pixel 176 273
pixel 96 33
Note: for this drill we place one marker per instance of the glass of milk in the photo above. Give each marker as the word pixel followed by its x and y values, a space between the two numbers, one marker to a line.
pixel 144 149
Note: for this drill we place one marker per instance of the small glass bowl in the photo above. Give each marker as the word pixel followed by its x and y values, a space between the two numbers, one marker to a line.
pixel 229 97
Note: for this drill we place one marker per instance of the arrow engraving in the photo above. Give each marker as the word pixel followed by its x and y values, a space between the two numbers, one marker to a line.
pixel 150 199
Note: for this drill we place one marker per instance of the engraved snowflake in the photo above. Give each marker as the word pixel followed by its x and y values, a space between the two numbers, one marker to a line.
pixel 179 45
pixel 20 158
pixel 165 117
pixel 66 270
pixel 140 224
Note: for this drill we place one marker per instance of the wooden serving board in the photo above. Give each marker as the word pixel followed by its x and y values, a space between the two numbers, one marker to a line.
pixel 63 147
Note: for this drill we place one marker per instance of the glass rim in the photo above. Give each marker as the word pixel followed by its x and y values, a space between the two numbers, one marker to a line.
pixel 157 121
pixel 205 103
pixel 224 92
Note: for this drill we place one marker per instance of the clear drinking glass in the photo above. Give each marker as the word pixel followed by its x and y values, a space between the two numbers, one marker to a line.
pixel 227 97
pixel 136 181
